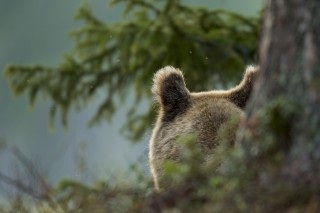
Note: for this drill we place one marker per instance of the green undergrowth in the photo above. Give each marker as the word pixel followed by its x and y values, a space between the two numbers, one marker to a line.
pixel 241 177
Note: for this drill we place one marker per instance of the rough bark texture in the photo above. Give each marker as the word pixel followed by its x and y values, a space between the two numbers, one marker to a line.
pixel 288 49
pixel 282 130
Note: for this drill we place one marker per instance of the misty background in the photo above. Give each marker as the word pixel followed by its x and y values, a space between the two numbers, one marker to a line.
pixel 35 32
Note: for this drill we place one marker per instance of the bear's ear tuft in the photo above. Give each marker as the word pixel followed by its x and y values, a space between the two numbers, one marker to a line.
pixel 170 90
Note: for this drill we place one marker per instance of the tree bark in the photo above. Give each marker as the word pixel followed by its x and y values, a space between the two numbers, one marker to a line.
pixel 288 49
pixel 281 135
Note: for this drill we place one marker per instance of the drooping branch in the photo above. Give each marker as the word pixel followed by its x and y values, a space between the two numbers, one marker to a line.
pixel 20 186
pixel 114 58
pixel 42 184
pixel 39 188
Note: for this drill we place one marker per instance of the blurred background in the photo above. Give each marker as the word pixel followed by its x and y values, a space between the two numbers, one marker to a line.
pixel 35 32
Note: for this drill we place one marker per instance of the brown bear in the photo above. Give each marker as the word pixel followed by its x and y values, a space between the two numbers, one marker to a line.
pixel 182 112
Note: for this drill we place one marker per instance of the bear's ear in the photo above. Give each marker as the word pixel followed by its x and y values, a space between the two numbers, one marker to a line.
pixel 241 93
pixel 171 92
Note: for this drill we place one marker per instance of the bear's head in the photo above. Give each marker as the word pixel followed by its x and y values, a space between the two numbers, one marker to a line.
pixel 182 112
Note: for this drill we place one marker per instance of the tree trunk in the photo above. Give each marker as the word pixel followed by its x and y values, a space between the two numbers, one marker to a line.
pixel 281 134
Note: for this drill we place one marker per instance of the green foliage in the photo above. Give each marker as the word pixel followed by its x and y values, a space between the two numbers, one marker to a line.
pixel 109 60
pixel 183 171
pixel 273 127
pixel 248 179
pixel 261 168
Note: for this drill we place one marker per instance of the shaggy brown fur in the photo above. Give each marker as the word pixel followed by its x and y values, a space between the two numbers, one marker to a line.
pixel 182 113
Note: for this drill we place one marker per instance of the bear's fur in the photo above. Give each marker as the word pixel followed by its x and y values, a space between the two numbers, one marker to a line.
pixel 183 112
